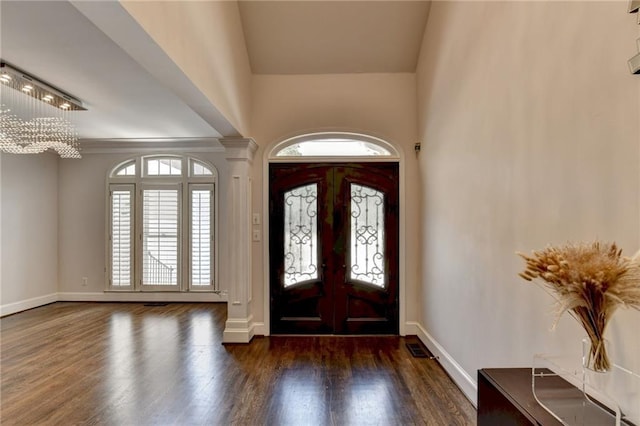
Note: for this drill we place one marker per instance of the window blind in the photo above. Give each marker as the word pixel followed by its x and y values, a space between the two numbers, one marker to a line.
pixel 121 241
pixel 160 237
pixel 201 237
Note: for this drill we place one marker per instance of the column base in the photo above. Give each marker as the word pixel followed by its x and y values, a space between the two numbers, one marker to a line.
pixel 240 330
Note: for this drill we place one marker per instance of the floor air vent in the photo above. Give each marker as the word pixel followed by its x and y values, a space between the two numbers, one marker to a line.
pixel 418 350
pixel 155 304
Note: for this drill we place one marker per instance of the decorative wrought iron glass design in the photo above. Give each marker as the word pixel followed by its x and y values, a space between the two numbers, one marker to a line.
pixel 367 235
pixel 301 234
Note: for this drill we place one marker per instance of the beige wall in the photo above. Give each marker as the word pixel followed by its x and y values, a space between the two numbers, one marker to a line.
pixel 381 105
pixel 529 119
pixel 206 41
pixel 29 263
pixel 82 223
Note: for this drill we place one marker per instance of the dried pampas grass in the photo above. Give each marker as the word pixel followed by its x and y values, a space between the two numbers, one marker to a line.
pixel 590 281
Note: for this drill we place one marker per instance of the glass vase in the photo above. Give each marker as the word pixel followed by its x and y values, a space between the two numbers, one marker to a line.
pixel 595 355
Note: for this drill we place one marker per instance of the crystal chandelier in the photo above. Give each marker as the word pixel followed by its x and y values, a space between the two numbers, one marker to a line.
pixel 34 117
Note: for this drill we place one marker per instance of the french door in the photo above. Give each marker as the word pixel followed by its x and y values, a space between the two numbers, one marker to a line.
pixel 334 248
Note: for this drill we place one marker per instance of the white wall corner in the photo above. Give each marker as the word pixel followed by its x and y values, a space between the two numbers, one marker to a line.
pixel 238 330
pixel 23 305
pixel 460 377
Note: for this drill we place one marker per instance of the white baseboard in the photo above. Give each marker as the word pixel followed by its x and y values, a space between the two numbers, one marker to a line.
pixel 238 330
pixel 140 297
pixel 259 329
pixel 23 305
pixel 411 328
pixel 464 381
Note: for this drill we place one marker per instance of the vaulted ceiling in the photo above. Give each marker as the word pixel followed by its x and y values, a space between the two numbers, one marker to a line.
pixel 329 37
pixel 54 42
pixel 126 100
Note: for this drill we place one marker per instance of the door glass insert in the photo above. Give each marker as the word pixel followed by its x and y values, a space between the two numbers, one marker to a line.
pixel 367 235
pixel 301 234
pixel 160 237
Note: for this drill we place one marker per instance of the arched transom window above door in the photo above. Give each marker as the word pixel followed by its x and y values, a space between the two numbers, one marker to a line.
pixel 333 145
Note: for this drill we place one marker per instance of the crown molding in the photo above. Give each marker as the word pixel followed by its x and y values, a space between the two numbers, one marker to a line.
pixel 239 148
pixel 114 146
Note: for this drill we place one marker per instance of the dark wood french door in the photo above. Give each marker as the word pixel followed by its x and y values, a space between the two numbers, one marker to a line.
pixel 334 248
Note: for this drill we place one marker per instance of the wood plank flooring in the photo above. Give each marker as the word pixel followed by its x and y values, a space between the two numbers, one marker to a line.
pixel 130 364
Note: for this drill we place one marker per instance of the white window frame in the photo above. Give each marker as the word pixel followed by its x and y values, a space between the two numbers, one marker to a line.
pixel 192 164
pixel 185 183
pixel 113 173
pixel 145 166
pixel 131 189
pixel 213 254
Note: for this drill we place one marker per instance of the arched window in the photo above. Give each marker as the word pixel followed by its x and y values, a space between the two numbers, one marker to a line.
pixel 161 224
pixel 128 168
pixel 329 145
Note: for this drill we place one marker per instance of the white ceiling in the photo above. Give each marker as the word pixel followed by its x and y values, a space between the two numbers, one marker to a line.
pixel 54 42
pixel 146 96
pixel 326 37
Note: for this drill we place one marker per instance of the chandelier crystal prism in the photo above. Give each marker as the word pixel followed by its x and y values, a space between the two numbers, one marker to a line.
pixel 34 116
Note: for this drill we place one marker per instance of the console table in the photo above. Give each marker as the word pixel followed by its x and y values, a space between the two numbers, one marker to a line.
pixel 505 398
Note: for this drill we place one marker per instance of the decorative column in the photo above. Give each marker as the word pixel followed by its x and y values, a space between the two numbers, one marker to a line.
pixel 239 325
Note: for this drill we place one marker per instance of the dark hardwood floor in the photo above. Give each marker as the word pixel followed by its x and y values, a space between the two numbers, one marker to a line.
pixel 130 364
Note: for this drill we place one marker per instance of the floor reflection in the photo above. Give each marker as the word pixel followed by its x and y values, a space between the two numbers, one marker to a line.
pixel 129 364
pixel 204 384
pixel 122 375
pixel 299 398
pixel 368 398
